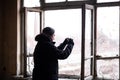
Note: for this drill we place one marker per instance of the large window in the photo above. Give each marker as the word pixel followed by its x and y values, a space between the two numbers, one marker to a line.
pixel 96 45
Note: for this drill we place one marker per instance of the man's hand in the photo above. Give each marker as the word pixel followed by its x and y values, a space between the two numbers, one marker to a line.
pixel 71 41
pixel 66 41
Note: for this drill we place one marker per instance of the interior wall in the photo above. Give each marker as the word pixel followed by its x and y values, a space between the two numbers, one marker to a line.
pixel 0 31
pixel 1 59
pixel 9 36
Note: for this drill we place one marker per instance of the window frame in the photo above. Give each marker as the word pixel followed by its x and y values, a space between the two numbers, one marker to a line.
pixel 110 4
pixel 24 36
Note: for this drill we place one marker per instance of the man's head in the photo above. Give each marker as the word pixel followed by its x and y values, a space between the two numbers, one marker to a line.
pixel 49 32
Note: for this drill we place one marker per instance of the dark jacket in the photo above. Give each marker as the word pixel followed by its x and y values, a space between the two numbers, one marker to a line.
pixel 46 56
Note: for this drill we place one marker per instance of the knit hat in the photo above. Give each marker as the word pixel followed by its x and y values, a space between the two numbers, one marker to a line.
pixel 48 31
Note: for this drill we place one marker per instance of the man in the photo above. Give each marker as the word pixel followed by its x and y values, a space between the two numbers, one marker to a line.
pixel 46 55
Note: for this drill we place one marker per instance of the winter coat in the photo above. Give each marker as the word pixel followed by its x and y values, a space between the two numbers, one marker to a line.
pixel 46 56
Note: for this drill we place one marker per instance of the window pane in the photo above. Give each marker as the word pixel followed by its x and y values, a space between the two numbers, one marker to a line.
pixel 77 0
pixel 51 1
pixel 88 34
pixel 30 65
pixel 108 69
pixel 67 23
pixel 32 29
pixel 87 67
pixel 67 79
pixel 108 31
pixel 108 41
pixel 100 1
pixel 87 42
pixel 31 3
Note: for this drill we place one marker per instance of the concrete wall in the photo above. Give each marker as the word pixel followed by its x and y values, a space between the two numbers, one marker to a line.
pixel 8 37
pixel 1 35
pixel 1 39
